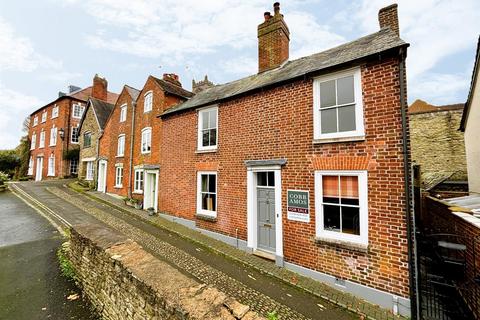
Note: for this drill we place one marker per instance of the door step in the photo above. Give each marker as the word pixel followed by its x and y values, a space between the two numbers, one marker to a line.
pixel 264 254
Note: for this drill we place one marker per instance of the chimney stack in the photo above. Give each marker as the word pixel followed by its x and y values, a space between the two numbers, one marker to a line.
pixel 100 86
pixel 172 78
pixel 273 40
pixel 388 18
pixel 201 85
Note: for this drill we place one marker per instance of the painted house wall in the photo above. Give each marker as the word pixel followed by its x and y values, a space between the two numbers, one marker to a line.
pixel 472 132
pixel 278 123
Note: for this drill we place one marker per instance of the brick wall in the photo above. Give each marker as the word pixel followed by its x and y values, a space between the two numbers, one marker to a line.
pixel 278 123
pixel 442 218
pixel 437 144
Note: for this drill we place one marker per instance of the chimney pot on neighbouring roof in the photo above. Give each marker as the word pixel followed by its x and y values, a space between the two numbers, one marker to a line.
pixel 100 88
pixel 172 78
pixel 388 18
pixel 276 8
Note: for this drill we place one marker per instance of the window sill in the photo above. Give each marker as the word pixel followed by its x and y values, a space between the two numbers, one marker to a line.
pixel 339 139
pixel 342 244
pixel 206 150
pixel 73 142
pixel 52 145
pixel 137 192
pixel 120 156
pixel 206 217
pixel 149 152
pixel 118 187
pixel 85 147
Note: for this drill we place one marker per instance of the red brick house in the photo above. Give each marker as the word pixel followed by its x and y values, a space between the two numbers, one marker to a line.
pixel 130 163
pixel 54 131
pixel 305 163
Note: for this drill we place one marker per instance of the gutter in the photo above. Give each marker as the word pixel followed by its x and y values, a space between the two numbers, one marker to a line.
pixel 132 138
pixel 410 218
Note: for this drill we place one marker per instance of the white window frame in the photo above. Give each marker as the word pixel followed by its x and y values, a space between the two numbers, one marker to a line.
pixel 44 116
pixel 53 136
pixel 41 144
pixel 51 166
pixel 34 141
pixel 121 147
pixel 148 96
pixel 84 135
pixel 322 234
pixel 77 136
pixel 30 166
pixel 35 121
pixel 123 112
pixel 137 181
pixel 72 161
pixel 54 111
pixel 359 132
pixel 201 113
pixel 144 135
pixel 199 194
pixel 90 171
pixel 118 177
pixel 81 109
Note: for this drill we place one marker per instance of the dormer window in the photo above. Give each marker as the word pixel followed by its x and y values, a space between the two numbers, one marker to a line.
pixel 148 101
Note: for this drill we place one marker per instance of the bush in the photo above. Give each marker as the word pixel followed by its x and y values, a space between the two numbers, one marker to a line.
pixel 3 177
pixel 9 161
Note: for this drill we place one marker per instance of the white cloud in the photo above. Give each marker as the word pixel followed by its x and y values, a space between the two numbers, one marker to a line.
pixel 439 89
pixel 14 107
pixel 240 66
pixel 17 52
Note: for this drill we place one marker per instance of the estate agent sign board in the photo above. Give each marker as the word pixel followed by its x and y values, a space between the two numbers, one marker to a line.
pixel 298 208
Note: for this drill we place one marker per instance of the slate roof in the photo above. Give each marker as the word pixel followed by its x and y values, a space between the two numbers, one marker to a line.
pixel 134 93
pixel 84 94
pixel 473 83
pixel 377 42
pixel 102 111
pixel 173 89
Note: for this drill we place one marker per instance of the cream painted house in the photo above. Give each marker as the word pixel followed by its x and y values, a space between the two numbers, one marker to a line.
pixel 470 125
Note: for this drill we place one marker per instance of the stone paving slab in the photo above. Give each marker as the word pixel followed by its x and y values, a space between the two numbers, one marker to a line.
pixel 359 306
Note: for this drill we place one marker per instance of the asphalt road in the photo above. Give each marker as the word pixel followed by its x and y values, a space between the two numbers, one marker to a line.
pixel 31 284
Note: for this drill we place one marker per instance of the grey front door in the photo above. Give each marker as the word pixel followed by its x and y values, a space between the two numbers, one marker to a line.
pixel 266 218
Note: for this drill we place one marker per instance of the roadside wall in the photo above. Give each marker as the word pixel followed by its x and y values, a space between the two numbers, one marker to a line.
pixel 445 219
pixel 123 281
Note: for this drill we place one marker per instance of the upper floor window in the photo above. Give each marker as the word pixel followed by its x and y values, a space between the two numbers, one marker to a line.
pixel 338 106
pixel 207 193
pixel 53 136
pixel 87 139
pixel 54 111
pixel 121 145
pixel 34 141
pixel 341 205
pixel 77 110
pixel 123 113
pixel 42 139
pixel 74 137
pixel 146 140
pixel 148 101
pixel 44 116
pixel 35 121
pixel 207 129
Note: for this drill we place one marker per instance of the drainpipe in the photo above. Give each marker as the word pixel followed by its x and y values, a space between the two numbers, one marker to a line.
pixel 130 164
pixel 410 222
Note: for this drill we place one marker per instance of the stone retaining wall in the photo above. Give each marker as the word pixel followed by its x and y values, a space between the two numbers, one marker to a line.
pixel 123 281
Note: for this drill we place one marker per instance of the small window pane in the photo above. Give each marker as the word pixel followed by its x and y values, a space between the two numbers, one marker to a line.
pixel 331 216
pixel 345 90
pixel 212 183
pixel 213 137
pixel 262 179
pixel 205 120
pixel 351 220
pixel 271 179
pixel 205 138
pixel 346 119
pixel 327 94
pixel 213 119
pixel 330 189
pixel 209 202
pixel 349 190
pixel 204 183
pixel 329 120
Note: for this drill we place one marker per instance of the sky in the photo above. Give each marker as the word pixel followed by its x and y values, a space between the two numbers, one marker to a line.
pixel 46 45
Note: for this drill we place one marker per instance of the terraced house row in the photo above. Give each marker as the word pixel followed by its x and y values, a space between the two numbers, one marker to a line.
pixel 305 163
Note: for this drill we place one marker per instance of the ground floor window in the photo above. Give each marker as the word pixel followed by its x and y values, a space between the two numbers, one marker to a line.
pixel 73 166
pixel 341 205
pixel 207 193
pixel 118 176
pixel 51 166
pixel 90 171
pixel 30 166
pixel 138 183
